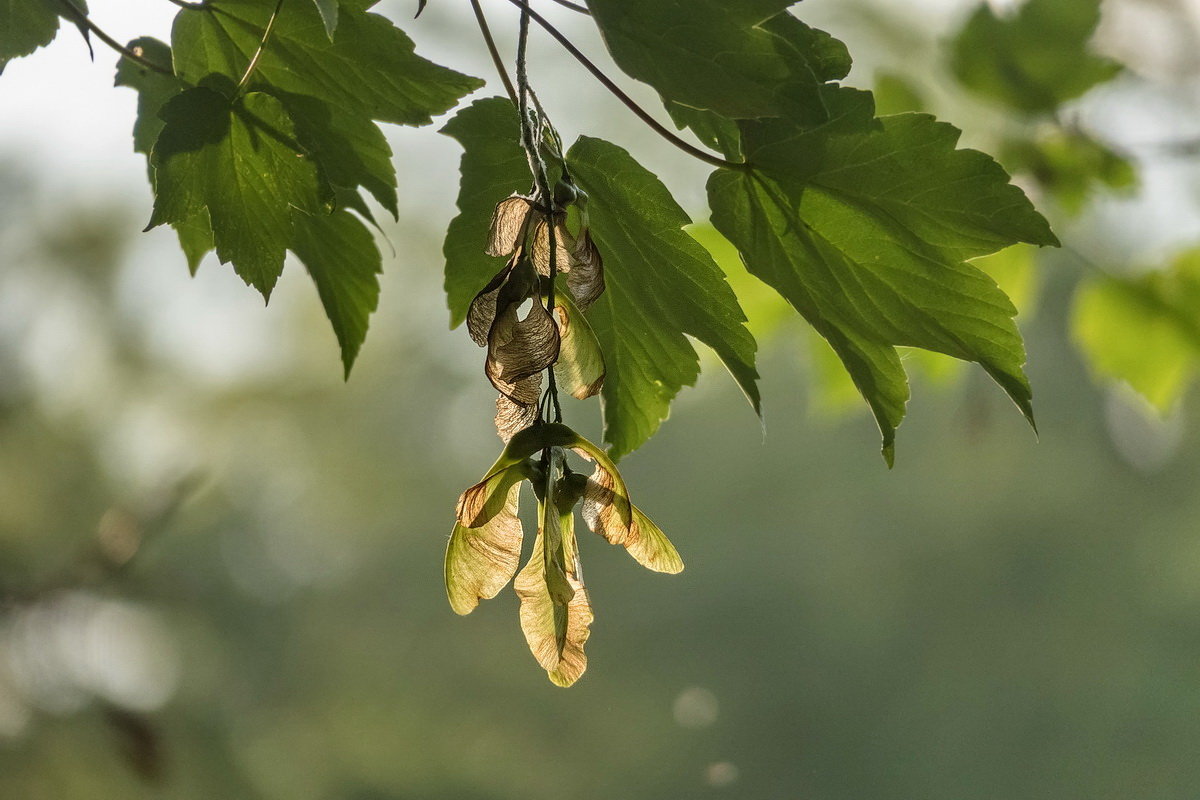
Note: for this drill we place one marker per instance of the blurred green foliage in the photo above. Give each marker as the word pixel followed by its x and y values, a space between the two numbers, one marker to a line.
pixel 1144 330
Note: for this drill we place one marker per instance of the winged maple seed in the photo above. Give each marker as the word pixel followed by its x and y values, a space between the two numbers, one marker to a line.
pixel 484 550
pixel 520 347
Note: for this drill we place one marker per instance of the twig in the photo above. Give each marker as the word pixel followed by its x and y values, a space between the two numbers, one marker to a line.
pixel 531 139
pixel 494 51
pixel 196 6
pixel 83 20
pixel 608 83
pixel 573 6
pixel 262 46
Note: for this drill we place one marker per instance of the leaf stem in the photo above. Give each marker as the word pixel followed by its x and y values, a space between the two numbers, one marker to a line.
pixel 486 31
pixel 641 113
pixel 196 6
pixel 262 46
pixel 83 20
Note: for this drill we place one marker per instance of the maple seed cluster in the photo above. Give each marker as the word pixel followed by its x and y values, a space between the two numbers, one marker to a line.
pixel 519 349
pixel 484 550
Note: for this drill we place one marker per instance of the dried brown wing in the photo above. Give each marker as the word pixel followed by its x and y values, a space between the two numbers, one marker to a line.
pixel 508 225
pixel 585 280
pixel 519 348
pixel 482 311
pixel 600 510
pixel 512 418
pixel 564 245
pixel 479 504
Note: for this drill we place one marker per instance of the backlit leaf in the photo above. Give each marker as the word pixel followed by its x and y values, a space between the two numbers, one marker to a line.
pixel 26 25
pixel 662 286
pixel 350 149
pixel 239 161
pixel 865 227
pixel 340 254
pixel 370 69
pixel 745 59
pixel 154 90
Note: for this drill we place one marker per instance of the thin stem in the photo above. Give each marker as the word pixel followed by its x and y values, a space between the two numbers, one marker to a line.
pixel 629 102
pixel 262 46
pixel 494 51
pixel 531 140
pixel 573 6
pixel 196 6
pixel 83 20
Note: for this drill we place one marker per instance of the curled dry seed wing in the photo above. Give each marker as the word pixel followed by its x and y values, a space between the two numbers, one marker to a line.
pixel 599 509
pixel 644 540
pixel 481 560
pixel 586 278
pixel 607 511
pixel 609 496
pixel 508 225
pixel 580 365
pixel 519 348
pixel 564 245
pixel 511 418
pixel 482 311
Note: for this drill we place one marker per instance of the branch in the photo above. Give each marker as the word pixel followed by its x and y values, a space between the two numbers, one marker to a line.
pixel 629 102
pixel 573 6
pixel 81 18
pixel 494 51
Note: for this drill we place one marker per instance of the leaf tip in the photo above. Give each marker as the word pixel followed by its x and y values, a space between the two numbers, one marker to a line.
pixel 889 453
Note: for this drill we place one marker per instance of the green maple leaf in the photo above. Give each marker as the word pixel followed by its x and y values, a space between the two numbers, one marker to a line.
pixel 332 88
pixel 195 238
pixel 237 161
pixel 662 286
pixel 350 149
pixel 1035 59
pixel 741 60
pixel 154 90
pixel 370 69
pixel 493 167
pixel 1144 330
pixel 865 227
pixel 340 254
pixel 26 25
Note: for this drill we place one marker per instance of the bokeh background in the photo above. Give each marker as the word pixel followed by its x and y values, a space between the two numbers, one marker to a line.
pixel 220 565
